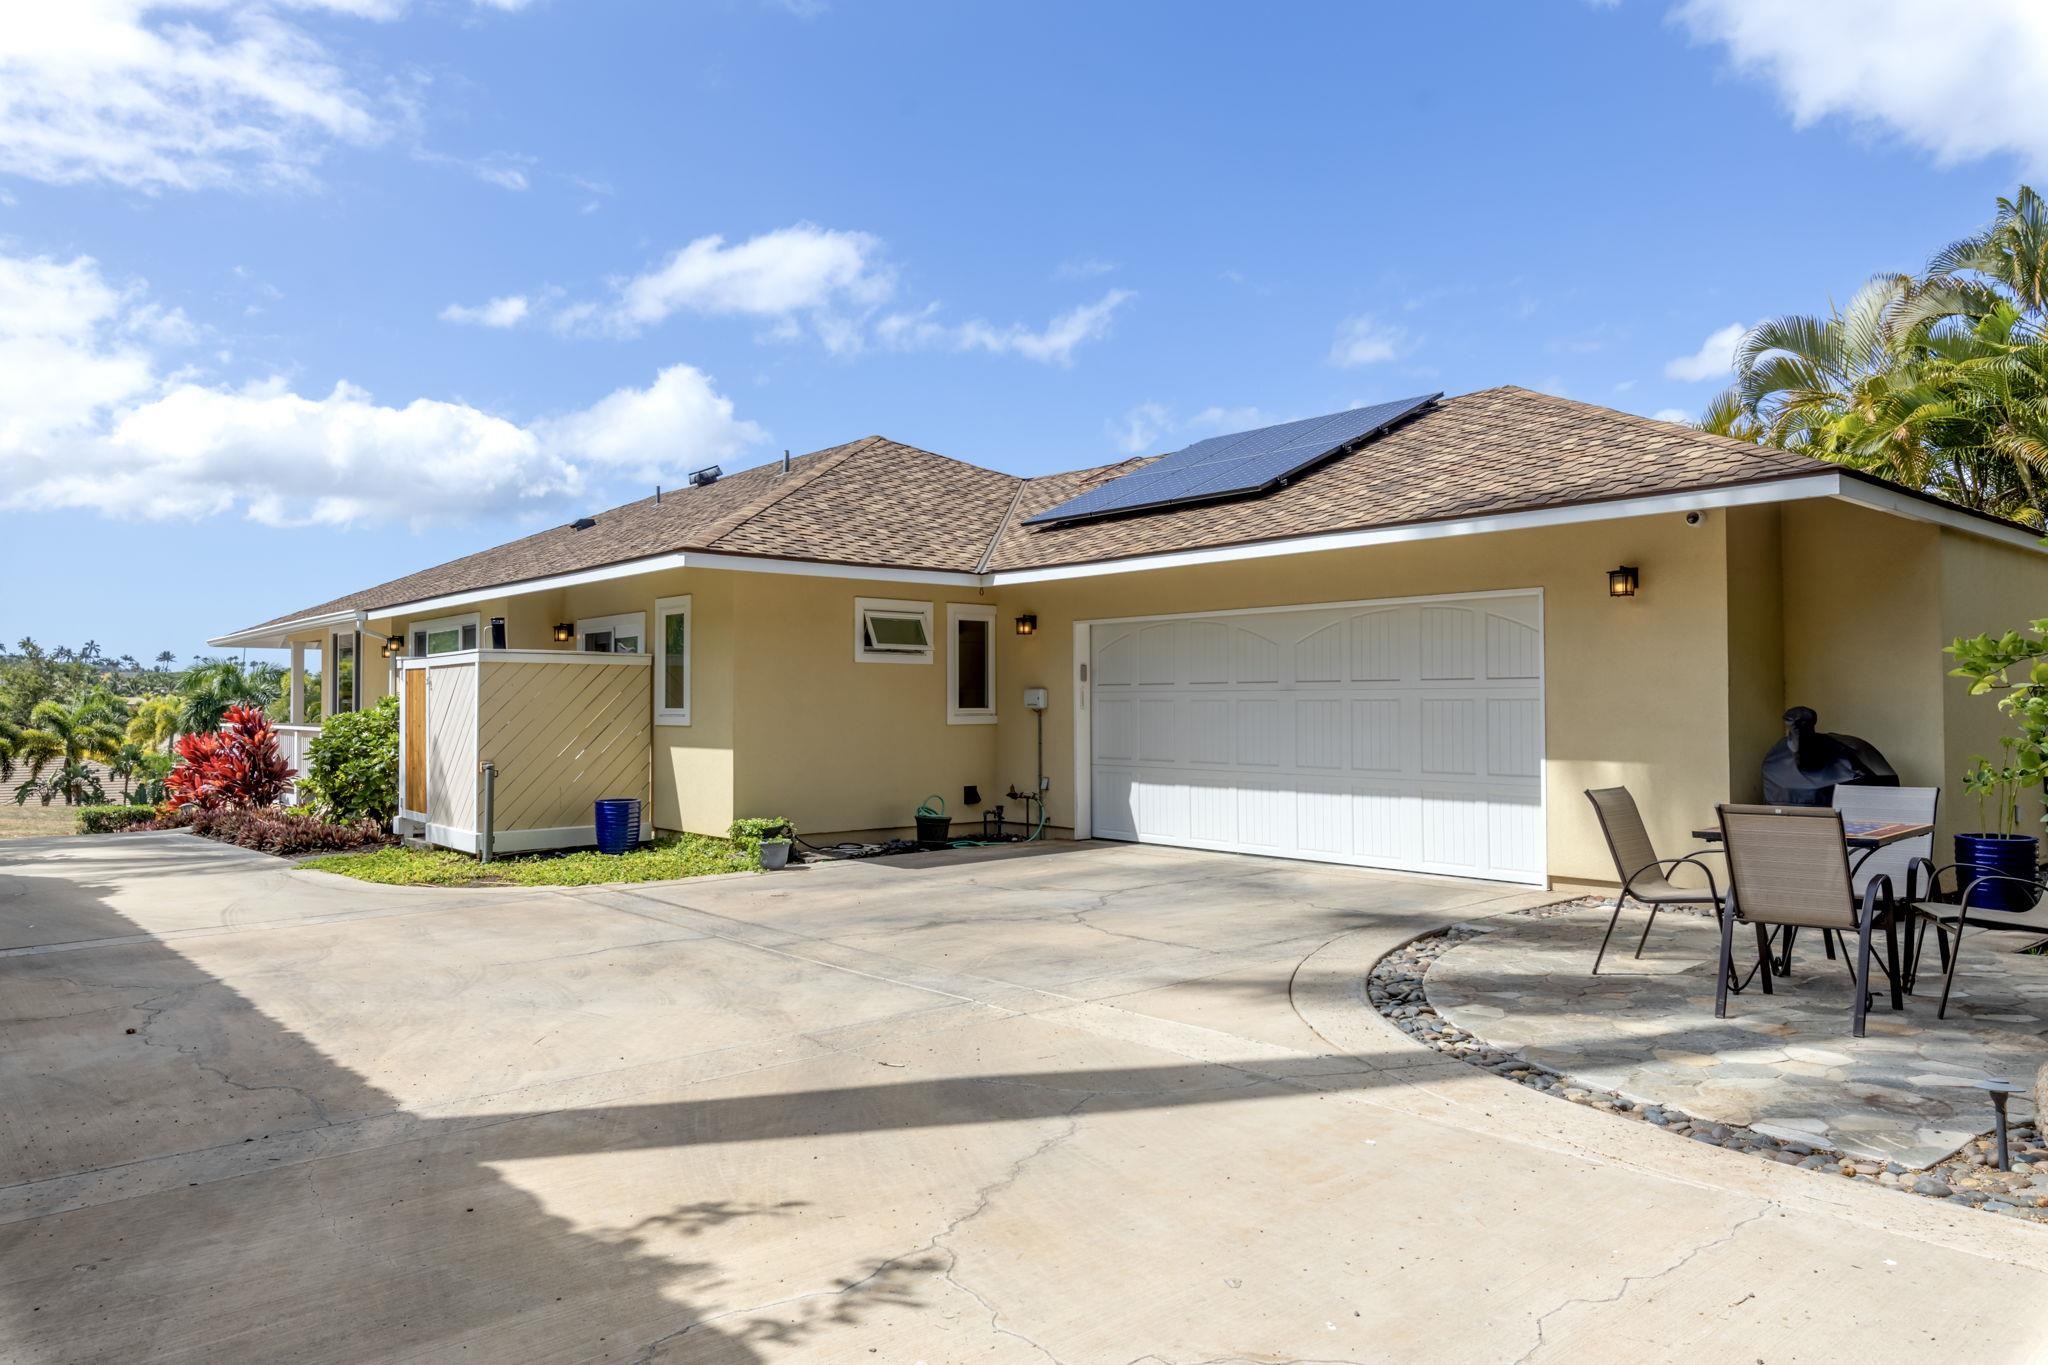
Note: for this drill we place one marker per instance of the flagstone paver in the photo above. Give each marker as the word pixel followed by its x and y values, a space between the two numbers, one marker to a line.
pixel 1784 1063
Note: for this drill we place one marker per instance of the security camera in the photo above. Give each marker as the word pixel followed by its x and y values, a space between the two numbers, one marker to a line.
pixel 1695 518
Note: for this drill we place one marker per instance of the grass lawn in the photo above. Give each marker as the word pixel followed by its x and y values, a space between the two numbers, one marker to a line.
pixel 34 821
pixel 691 855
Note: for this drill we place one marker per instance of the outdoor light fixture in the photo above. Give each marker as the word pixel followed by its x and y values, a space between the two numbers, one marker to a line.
pixel 564 633
pixel 1027 624
pixel 394 645
pixel 1621 582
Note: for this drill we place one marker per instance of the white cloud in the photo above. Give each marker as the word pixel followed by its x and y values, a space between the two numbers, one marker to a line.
pixel 1364 340
pixel 91 418
pixel 799 269
pixel 1143 429
pixel 1137 431
pixel 176 94
pixel 509 311
pixel 1960 81
pixel 1678 415
pixel 679 421
pixel 1087 268
pixel 1053 344
pixel 1715 359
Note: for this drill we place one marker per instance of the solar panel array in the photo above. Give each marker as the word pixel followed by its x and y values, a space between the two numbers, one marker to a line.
pixel 1236 465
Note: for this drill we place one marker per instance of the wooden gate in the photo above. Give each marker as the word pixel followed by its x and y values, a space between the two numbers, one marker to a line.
pixel 414 798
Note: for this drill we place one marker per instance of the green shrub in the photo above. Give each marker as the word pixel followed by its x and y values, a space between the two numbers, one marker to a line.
pixel 352 765
pixel 280 829
pixel 113 819
pixel 748 832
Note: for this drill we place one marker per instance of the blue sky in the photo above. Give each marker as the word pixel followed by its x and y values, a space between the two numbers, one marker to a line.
pixel 298 297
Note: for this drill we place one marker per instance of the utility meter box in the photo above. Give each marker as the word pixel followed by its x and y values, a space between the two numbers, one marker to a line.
pixel 1034 699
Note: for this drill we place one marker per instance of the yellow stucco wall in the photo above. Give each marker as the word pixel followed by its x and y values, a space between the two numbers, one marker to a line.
pixel 1756 643
pixel 836 744
pixel 1636 690
pixel 1985 589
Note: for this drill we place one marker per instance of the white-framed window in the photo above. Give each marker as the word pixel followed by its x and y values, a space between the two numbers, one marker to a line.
pixel 348 646
pixel 625 633
pixel 886 632
pixel 672 661
pixel 970 664
pixel 444 635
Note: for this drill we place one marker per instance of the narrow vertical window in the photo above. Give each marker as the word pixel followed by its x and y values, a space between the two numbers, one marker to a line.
pixel 672 661
pixel 344 672
pixel 970 664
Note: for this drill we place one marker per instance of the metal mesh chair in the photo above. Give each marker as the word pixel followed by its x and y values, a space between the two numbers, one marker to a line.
pixel 1643 875
pixel 1903 805
pixel 1959 912
pixel 1789 865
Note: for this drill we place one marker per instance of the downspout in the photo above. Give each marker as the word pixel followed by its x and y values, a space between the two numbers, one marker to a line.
pixel 488 831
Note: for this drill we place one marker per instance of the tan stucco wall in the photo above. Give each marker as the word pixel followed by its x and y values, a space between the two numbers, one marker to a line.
pixel 1636 691
pixel 1985 589
pixel 1756 643
pixel 839 745
pixel 1863 631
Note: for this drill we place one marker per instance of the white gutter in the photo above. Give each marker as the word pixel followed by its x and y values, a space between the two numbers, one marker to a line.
pixel 1827 484
pixel 1778 490
pixel 273 636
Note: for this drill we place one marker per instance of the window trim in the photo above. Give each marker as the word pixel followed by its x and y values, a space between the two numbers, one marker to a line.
pixel 414 629
pixel 956 612
pixel 863 653
pixel 665 607
pixel 636 619
pixel 354 639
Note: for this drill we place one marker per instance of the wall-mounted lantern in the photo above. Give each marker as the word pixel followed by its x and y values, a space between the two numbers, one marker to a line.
pixel 1622 582
pixel 1027 624
pixel 564 633
pixel 394 645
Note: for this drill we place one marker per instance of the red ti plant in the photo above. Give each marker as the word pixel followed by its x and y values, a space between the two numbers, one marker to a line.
pixel 237 765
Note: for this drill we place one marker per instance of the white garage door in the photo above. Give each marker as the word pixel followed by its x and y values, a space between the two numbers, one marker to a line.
pixel 1388 734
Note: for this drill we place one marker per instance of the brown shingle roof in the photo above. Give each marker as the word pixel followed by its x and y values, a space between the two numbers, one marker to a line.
pixel 875 503
pixel 1498 450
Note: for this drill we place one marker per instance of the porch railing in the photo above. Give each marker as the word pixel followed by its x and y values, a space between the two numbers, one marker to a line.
pixel 295 742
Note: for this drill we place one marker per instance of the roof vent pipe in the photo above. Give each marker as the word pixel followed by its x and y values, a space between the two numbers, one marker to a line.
pixel 785 461
pixel 657 495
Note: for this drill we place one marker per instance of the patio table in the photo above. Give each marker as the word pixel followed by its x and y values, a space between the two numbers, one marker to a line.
pixel 1865 836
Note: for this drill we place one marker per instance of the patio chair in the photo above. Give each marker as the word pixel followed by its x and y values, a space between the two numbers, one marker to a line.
pixel 1906 806
pixel 1789 866
pixel 1643 875
pixel 1963 916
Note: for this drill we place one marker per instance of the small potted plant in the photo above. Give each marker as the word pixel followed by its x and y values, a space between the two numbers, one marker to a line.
pixel 767 837
pixel 2015 666
pixel 1998 848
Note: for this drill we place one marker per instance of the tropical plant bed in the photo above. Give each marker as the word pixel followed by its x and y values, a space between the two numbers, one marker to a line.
pixel 668 859
pixel 1396 988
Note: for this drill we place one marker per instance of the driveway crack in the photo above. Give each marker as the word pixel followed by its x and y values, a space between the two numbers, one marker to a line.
pixel 1629 1282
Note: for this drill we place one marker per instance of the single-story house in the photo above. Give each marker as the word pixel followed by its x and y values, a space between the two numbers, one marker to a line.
pixel 1410 650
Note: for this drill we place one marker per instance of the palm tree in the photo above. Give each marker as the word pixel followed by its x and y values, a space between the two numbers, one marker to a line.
pixel 164 659
pixel 216 684
pixel 156 722
pixel 71 736
pixel 127 761
pixel 2008 257
pixel 75 782
pixel 1795 374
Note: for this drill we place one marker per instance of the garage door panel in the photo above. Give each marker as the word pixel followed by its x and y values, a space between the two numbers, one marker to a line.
pixel 1514 650
pixel 1382 646
pixel 1116 729
pixel 1449 742
pixel 1325 656
pixel 1380 735
pixel 1514 737
pixel 1257 658
pixel 1159 730
pixel 1265 732
pixel 1406 735
pixel 1320 742
pixel 1207 653
pixel 1211 737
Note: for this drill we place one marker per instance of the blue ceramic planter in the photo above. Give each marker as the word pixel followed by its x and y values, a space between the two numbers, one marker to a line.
pixel 2005 855
pixel 618 824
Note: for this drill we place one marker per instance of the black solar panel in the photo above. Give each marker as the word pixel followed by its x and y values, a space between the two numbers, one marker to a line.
pixel 1241 463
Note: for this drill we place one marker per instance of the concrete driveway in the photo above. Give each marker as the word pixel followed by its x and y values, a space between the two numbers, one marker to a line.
pixel 1083 1103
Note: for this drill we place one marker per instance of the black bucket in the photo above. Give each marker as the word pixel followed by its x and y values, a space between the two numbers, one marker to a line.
pixel 934 826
